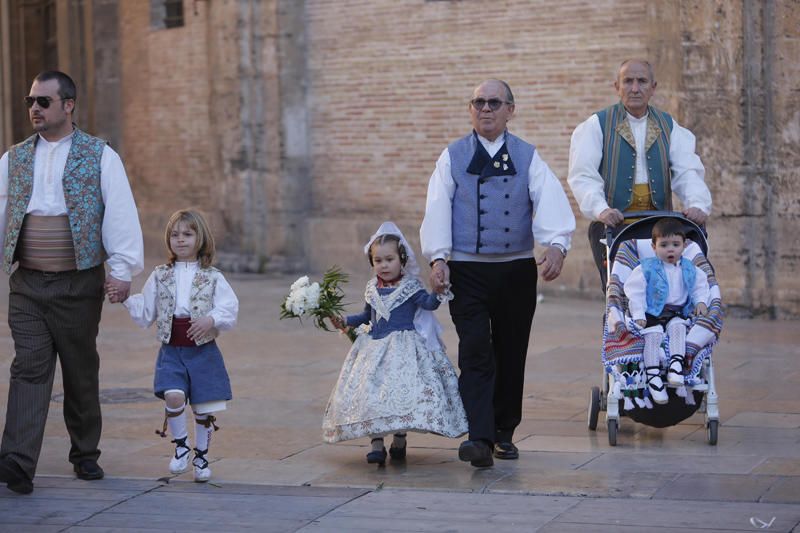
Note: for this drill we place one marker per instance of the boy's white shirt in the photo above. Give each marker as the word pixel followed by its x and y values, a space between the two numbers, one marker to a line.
pixel 142 307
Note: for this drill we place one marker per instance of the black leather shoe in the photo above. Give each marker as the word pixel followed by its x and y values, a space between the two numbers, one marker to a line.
pixel 505 450
pixel 397 454
pixel 377 456
pixel 14 478
pixel 88 469
pixel 477 452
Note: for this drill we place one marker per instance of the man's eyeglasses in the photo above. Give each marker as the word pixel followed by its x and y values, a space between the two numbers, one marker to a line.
pixel 494 103
pixel 43 101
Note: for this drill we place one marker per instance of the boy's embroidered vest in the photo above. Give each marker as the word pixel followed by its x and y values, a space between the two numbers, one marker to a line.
pixel 201 299
pixel 658 288
pixel 82 194
pixel 491 214
pixel 618 165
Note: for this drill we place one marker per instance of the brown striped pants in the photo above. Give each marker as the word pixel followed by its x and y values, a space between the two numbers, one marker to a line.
pixel 53 314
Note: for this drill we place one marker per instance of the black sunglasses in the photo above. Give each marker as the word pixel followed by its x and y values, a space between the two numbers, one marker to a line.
pixel 43 101
pixel 494 103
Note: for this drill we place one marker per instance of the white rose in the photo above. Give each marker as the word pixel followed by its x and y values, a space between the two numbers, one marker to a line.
pixel 300 283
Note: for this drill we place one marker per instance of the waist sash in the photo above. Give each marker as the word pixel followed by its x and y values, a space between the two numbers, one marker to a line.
pixel 179 336
pixel 45 243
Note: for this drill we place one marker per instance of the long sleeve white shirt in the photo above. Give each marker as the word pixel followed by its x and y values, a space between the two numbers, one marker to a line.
pixel 143 307
pixel 586 152
pixel 636 289
pixel 121 232
pixel 553 221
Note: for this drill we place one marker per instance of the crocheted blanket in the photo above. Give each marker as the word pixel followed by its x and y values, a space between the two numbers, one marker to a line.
pixel 622 342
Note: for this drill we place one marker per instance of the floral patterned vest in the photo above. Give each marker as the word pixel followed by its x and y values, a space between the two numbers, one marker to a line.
pixel 201 299
pixel 82 195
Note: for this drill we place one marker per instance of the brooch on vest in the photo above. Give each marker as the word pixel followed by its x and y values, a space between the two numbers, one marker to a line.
pixel 486 166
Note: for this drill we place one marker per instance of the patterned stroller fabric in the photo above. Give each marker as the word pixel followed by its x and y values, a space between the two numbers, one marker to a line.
pixel 623 345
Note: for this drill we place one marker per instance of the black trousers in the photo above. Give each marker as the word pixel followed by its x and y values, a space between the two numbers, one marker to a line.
pixel 597 231
pixel 53 315
pixel 493 312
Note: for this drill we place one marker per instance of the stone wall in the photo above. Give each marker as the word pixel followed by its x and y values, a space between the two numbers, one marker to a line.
pixel 300 125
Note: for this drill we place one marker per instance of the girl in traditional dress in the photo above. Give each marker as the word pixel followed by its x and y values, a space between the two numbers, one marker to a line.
pixel 190 302
pixel 396 378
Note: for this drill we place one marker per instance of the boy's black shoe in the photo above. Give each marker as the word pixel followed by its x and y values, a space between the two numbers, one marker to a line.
pixel 14 478
pixel 89 470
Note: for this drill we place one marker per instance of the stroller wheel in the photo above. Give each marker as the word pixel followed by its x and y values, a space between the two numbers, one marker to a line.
pixel 594 408
pixel 612 432
pixel 713 429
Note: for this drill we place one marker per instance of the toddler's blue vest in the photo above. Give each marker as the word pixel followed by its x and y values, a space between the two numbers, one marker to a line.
pixel 658 289
pixel 492 214
pixel 618 166
pixel 82 194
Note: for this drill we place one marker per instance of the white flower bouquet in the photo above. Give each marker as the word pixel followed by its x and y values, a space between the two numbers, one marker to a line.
pixel 317 300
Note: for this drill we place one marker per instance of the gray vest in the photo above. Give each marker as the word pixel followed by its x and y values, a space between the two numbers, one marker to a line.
pixel 492 210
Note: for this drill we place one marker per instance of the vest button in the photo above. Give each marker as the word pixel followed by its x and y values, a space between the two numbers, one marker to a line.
pixel 507 245
pixel 630 178
pixel 633 166
pixel 505 180
pixel 482 228
pixel 630 190
pixel 482 212
pixel 508 196
pixel 482 196
pixel 506 212
pixel 649 168
pixel 480 245
pixel 507 230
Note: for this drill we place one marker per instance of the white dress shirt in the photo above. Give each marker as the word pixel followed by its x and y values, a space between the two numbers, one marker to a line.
pixel 143 307
pixel 121 232
pixel 636 289
pixel 553 221
pixel 586 152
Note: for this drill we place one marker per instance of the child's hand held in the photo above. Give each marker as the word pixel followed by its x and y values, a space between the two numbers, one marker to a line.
pixel 701 310
pixel 641 322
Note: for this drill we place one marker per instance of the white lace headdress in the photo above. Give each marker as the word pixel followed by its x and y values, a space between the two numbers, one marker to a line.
pixel 425 321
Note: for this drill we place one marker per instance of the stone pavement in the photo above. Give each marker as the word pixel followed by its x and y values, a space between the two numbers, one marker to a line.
pixel 273 473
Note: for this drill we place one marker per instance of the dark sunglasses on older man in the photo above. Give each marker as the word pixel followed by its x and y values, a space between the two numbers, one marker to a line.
pixel 43 101
pixel 494 103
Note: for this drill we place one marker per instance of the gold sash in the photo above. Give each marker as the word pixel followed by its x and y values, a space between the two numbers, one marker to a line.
pixel 641 198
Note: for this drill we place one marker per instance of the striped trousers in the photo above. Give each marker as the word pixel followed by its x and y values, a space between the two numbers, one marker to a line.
pixel 53 315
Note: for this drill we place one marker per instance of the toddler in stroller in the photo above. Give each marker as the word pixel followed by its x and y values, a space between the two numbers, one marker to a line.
pixel 625 355
pixel 663 291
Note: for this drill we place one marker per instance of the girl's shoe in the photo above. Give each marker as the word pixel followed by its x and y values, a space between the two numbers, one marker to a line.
pixel 397 453
pixel 377 456
pixel 202 472
pixel 180 461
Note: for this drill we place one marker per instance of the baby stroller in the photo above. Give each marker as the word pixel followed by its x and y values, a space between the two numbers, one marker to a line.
pixel 623 390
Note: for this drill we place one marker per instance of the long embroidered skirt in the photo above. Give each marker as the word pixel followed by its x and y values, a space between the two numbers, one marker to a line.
pixel 394 385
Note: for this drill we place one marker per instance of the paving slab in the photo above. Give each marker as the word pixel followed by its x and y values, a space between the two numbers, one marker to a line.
pixel 567 478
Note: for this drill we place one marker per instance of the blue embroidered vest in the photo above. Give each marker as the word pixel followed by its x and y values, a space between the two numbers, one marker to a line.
pixel 82 194
pixel 658 288
pixel 618 166
pixel 492 214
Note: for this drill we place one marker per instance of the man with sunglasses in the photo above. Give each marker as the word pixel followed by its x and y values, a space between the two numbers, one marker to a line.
pixel 66 207
pixel 489 196
pixel 632 156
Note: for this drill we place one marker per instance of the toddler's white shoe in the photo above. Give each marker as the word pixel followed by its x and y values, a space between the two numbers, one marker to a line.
pixel 180 461
pixel 675 372
pixel 202 472
pixel 654 384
